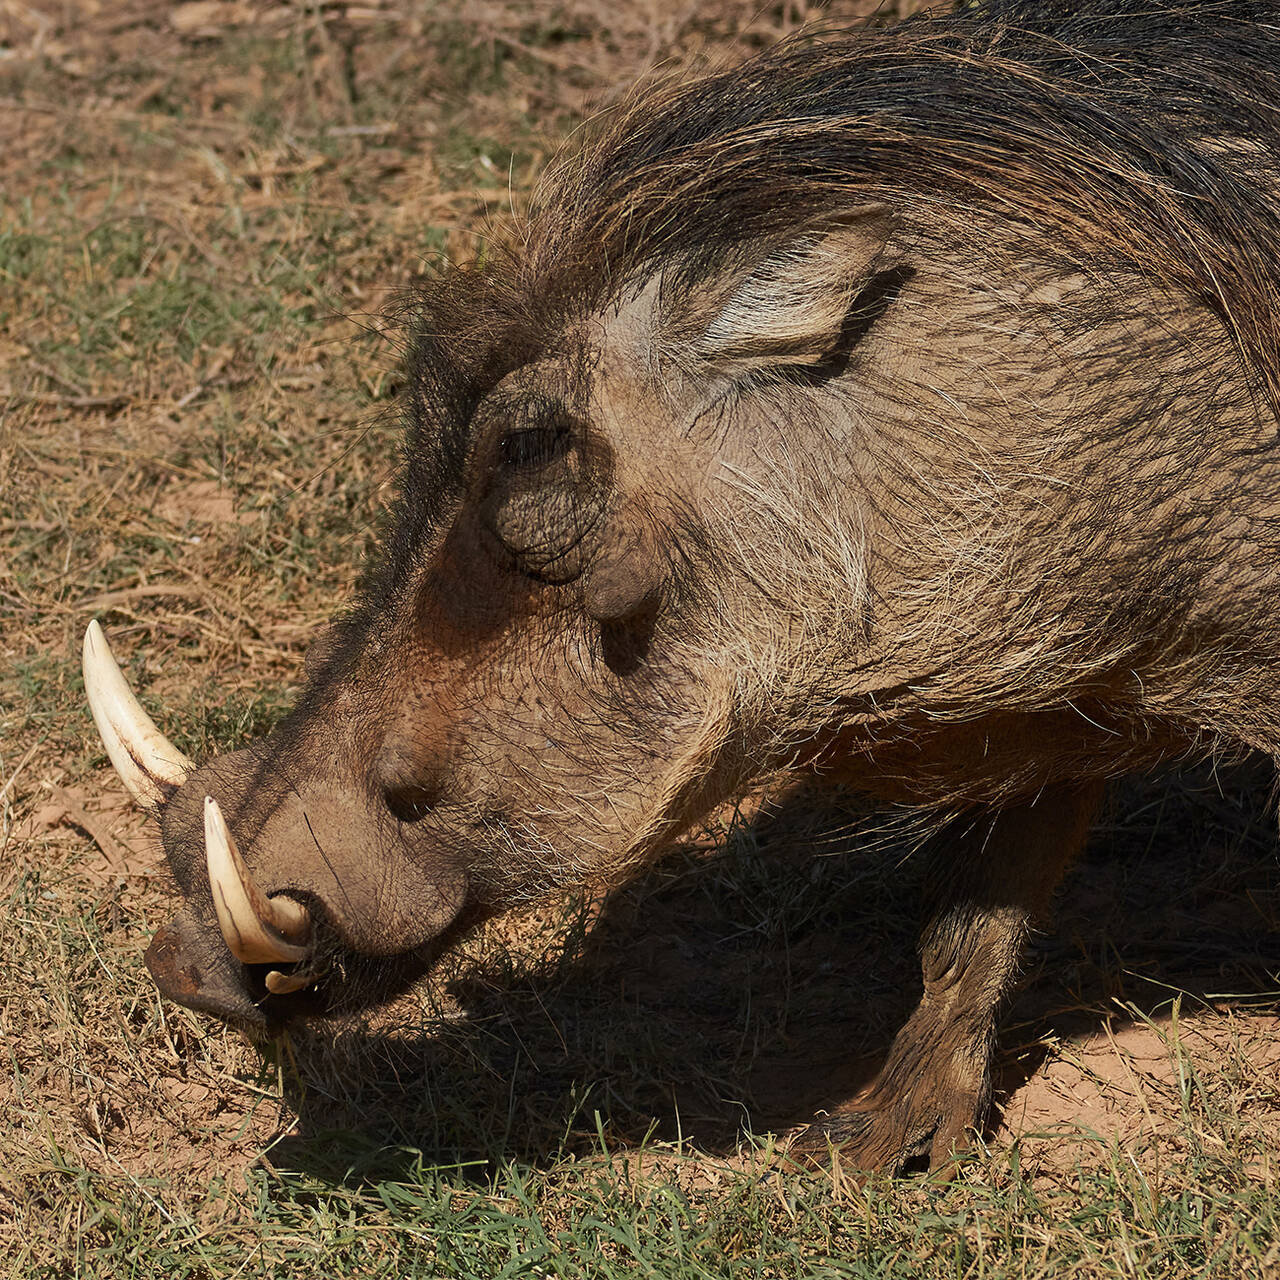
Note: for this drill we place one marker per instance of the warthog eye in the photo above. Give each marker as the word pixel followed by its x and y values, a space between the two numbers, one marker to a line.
pixel 535 446
pixel 545 488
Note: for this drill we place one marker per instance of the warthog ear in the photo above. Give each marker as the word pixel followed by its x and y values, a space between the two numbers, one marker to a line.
pixel 794 305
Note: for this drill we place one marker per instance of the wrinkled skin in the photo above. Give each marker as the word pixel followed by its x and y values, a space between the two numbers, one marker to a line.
pixel 973 541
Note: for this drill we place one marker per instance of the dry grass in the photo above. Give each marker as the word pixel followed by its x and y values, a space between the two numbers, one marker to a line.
pixel 203 210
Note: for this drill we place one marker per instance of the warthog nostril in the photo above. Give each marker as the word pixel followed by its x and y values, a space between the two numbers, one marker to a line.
pixel 409 803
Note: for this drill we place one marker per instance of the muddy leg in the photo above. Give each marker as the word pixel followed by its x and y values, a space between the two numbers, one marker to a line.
pixel 982 897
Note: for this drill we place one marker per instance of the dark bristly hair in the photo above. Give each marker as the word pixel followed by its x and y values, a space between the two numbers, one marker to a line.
pixel 1090 119
pixel 1128 129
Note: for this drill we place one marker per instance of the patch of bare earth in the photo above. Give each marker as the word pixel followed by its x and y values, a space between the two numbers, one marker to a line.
pixel 1133 1083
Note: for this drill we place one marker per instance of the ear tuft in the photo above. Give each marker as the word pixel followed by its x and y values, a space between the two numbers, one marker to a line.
pixel 790 307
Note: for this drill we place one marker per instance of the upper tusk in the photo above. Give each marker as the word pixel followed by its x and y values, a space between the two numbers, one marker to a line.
pixel 147 762
pixel 257 929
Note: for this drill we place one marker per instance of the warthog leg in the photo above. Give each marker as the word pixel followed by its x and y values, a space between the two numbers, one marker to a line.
pixel 984 894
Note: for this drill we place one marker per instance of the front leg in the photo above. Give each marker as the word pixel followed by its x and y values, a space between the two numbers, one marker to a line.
pixel 984 892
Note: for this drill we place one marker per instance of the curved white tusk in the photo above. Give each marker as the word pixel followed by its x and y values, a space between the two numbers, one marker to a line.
pixel 149 765
pixel 257 929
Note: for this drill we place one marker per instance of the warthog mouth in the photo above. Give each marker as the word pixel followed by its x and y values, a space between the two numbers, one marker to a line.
pixel 190 968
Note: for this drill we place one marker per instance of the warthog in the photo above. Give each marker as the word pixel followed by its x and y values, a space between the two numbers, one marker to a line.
pixel 898 408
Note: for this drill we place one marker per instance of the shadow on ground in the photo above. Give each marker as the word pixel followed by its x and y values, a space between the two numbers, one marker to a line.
pixel 752 984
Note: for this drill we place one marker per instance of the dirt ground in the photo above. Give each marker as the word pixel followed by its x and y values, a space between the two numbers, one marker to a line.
pixel 205 210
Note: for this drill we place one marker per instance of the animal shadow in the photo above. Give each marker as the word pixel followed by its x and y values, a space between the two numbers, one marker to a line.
pixel 757 977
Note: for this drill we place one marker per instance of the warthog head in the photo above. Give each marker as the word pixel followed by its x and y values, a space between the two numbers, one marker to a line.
pixel 543 681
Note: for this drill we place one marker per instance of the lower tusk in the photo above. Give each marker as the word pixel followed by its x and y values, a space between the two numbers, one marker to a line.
pixel 257 929
pixel 149 765
pixel 283 984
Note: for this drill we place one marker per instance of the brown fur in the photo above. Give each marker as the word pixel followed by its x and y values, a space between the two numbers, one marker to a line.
pixel 899 409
